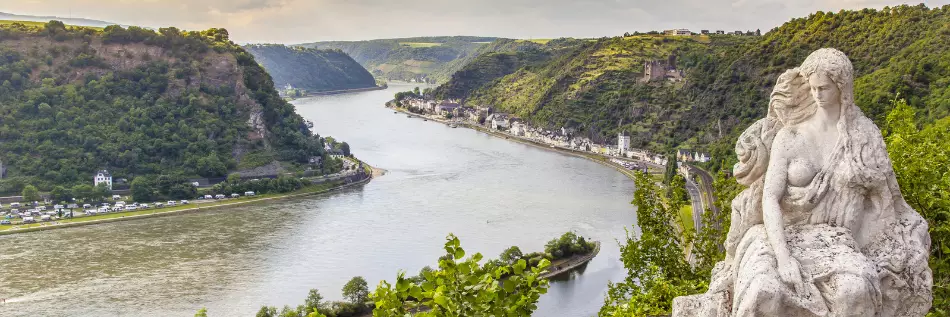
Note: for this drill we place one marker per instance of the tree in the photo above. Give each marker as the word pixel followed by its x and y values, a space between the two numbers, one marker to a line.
pixel 83 191
pixel 356 290
pixel 511 255
pixel 30 193
pixel 314 300
pixel 142 189
pixel 345 148
pixel 462 287
pixel 657 270
pixel 266 311
pixel 921 160
pixel 101 192
pixel 234 178
pixel 60 193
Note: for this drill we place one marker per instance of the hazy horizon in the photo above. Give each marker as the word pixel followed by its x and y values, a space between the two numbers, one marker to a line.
pixel 301 21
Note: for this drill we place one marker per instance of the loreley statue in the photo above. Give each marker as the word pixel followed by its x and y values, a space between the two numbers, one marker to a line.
pixel 822 229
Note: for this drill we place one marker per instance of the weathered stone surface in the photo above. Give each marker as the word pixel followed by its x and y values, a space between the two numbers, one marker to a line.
pixel 822 229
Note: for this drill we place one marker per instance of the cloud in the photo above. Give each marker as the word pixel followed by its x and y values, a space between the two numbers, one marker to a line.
pixel 296 21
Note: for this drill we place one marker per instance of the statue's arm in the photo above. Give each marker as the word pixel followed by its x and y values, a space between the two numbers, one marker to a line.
pixel 774 187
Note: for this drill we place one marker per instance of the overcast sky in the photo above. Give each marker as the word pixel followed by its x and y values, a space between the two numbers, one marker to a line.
pixel 297 21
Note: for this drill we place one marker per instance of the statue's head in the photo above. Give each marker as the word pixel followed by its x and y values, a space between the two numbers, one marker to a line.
pixel 790 102
pixel 830 77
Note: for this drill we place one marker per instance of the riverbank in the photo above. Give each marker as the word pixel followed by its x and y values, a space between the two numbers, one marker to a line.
pixel 571 263
pixel 198 207
pixel 601 159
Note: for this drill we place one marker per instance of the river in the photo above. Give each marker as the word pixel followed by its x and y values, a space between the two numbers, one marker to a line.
pixel 490 192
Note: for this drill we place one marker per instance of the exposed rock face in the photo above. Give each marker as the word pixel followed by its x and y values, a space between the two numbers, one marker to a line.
pixel 822 229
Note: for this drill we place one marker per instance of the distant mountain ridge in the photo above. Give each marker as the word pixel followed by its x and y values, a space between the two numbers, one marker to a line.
pixel 429 59
pixel 715 85
pixel 70 21
pixel 312 69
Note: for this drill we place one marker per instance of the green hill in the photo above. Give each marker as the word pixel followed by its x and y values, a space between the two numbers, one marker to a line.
pixel 137 102
pixel 311 69
pixel 596 87
pixel 429 59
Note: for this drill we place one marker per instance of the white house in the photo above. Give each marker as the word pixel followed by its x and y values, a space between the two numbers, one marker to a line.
pixel 498 121
pixel 103 176
pixel 518 128
pixel 623 142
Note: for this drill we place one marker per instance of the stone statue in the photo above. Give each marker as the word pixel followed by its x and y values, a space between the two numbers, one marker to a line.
pixel 822 229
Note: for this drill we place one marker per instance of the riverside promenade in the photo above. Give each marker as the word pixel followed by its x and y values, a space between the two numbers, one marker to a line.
pixel 343 181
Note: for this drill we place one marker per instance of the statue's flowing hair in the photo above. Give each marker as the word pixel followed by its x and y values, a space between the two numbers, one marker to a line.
pixel 855 130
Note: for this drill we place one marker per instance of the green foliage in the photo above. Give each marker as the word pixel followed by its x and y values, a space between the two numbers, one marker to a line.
pixel 356 290
pixel 511 255
pixel 311 69
pixel 591 86
pixel 281 184
pixel 657 270
pixel 266 311
pixel 567 245
pixel 143 189
pixel 202 313
pixel 463 287
pixel 71 110
pixel 30 193
pixel 921 159
pixel 60 193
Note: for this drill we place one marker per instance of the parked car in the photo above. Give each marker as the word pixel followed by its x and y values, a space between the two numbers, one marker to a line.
pixel 5 222
pixel 105 205
pixel 208 197
pixel 14 205
pixel 235 195
pixel 120 203
pixel 145 206
pixel 184 202
pixel 86 206
pixel 219 196
pixel 116 197
pixel 159 205
pixel 248 193
pixel 46 218
pixel 170 203
pixel 28 220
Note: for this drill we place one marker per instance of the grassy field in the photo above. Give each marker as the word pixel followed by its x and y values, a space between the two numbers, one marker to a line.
pixel 193 205
pixel 419 44
pixel 686 217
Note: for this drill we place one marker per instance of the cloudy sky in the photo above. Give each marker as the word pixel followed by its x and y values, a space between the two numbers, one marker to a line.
pixel 297 21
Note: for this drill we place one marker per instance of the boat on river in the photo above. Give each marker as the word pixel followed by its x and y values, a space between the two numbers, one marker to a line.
pixel 453 125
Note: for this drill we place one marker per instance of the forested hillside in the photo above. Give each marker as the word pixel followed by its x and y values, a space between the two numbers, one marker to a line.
pixel 431 59
pixel 597 87
pixel 137 102
pixel 311 69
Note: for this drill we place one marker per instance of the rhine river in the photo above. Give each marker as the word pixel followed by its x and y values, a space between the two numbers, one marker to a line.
pixel 490 192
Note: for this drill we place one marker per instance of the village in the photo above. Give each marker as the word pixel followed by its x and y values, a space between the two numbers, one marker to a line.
pixel 453 113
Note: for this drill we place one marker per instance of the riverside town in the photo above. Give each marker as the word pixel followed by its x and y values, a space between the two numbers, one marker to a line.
pixel 460 159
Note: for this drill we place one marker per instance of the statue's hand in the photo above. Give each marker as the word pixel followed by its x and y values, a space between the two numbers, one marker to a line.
pixel 789 270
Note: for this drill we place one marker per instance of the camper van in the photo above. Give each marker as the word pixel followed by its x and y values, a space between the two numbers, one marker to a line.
pixel 28 220
pixel 248 193
pixel 46 218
